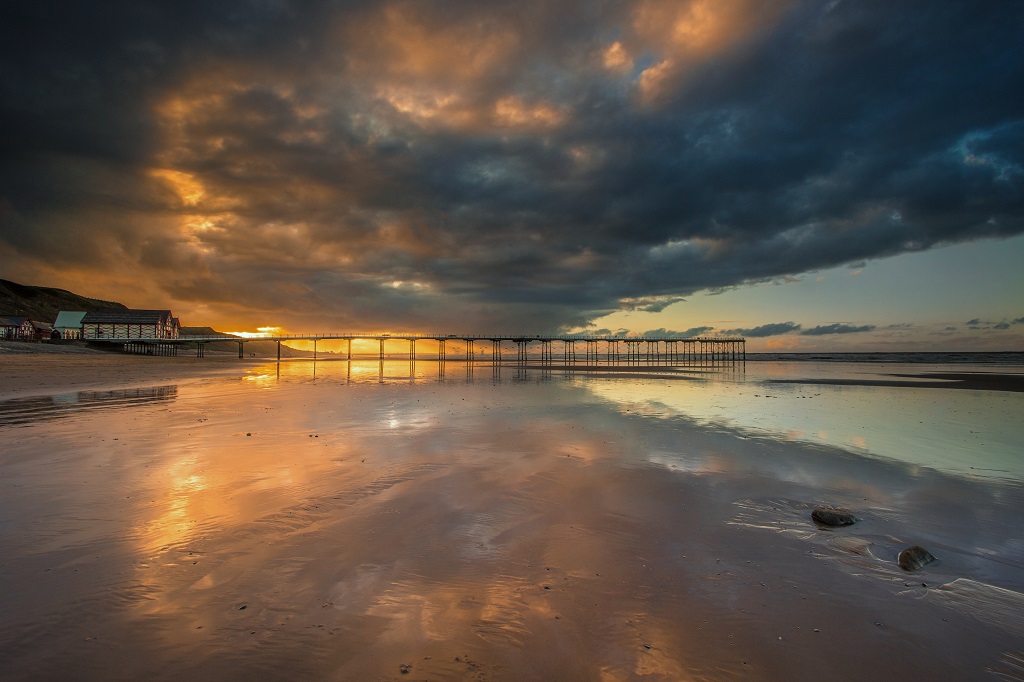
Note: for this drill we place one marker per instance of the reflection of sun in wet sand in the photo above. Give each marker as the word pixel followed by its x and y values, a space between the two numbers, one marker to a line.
pixel 544 528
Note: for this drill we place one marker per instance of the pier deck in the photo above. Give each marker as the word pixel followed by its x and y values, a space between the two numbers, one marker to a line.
pixel 522 349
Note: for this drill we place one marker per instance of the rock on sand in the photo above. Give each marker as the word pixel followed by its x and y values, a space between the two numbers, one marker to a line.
pixel 913 558
pixel 827 515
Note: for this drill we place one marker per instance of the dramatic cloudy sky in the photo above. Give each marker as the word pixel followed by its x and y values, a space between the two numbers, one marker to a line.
pixel 811 174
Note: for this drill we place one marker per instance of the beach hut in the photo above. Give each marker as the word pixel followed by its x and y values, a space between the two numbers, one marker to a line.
pixel 41 330
pixel 130 324
pixel 68 325
pixel 16 327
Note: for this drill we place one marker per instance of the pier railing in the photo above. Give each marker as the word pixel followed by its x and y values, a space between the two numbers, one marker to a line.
pixel 529 349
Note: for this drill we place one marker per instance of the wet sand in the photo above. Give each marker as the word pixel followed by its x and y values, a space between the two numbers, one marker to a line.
pixel 48 372
pixel 977 381
pixel 167 519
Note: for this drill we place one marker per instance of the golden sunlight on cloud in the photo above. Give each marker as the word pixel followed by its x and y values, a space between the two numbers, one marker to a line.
pixel 409 48
pixel 420 104
pixel 449 110
pixel 782 343
pixel 699 25
pixel 513 112
pixel 653 80
pixel 439 108
pixel 682 34
pixel 181 110
pixel 189 190
pixel 616 58
pixel 192 231
pixel 191 194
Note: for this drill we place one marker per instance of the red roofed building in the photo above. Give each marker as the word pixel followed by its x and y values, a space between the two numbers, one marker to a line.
pixel 16 327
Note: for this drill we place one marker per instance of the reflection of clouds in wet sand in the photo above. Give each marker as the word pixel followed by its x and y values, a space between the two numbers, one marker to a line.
pixel 289 527
pixel 971 432
pixel 426 552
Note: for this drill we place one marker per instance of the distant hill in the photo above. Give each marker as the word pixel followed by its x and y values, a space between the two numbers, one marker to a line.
pixel 255 347
pixel 203 331
pixel 43 303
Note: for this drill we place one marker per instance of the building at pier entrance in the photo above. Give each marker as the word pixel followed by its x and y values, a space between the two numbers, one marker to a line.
pixel 130 324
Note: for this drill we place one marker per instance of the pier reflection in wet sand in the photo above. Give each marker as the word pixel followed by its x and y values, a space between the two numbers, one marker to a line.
pixel 343 520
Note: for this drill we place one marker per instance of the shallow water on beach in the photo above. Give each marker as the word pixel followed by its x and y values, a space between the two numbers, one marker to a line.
pixel 338 520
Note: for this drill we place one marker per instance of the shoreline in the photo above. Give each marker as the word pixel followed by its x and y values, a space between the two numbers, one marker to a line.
pixel 977 381
pixel 32 371
pixel 26 375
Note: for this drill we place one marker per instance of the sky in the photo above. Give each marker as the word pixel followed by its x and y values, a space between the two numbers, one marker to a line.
pixel 810 175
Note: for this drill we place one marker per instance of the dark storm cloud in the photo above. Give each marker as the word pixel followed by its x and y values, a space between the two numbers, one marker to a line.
pixel 526 165
pixel 978 325
pixel 692 332
pixel 774 329
pixel 822 330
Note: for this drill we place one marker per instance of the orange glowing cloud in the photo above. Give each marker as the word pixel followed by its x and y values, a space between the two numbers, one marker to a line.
pixel 783 343
pixel 513 112
pixel 615 58
pixel 189 190
pixel 399 47
pixel 684 34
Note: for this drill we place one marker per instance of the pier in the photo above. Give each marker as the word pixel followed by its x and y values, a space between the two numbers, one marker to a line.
pixel 518 349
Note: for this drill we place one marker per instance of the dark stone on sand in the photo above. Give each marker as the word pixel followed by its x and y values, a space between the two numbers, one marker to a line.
pixel 913 558
pixel 406 667
pixel 827 515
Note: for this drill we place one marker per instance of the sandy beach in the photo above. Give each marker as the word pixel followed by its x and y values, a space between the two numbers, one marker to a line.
pixel 34 369
pixel 217 518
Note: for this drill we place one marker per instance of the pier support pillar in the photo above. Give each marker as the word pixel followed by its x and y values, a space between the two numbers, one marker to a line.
pixel 521 351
